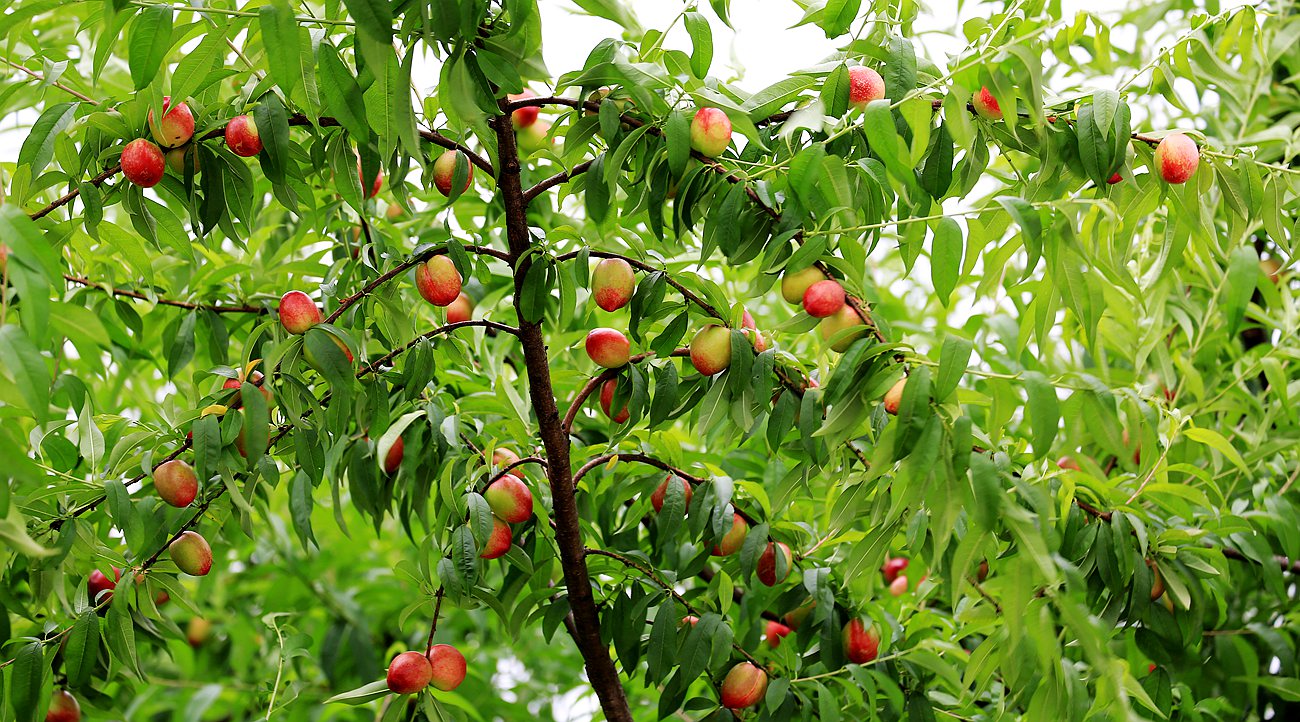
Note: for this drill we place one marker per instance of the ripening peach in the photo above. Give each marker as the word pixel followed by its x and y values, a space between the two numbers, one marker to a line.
pixel 607 390
pixel 448 667
pixel 63 708
pixel 661 492
pixel 460 310
pixel 176 482
pixel 773 632
pixel 510 499
pixel 823 299
pixel 393 459
pixel 409 673
pixel 523 117
pixel 98 584
pixel 865 85
pixel 143 163
pixel 612 283
pixel 242 137
pixel 501 458
pixel 438 281
pixel 1177 156
pixel 710 132
pixel 861 642
pixel 743 687
pixel 608 348
pixel 177 126
pixel 842 320
pixel 751 332
pixel 986 105
pixel 774 564
pixel 191 553
pixel 795 283
pixel 733 539
pixel 498 541
pixel 711 349
pixel 298 312
pixel 894 396
pixel 444 171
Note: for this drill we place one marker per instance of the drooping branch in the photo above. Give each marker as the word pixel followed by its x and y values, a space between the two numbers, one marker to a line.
pixel 215 308
pixel 448 328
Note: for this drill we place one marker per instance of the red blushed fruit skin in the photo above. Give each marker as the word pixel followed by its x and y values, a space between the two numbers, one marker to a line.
pixel 242 137
pixel 690 619
pixel 498 542
pixel 892 568
pixel 176 483
pixel 861 643
pixel 510 499
pixel 898 587
pixel 523 117
pixel 409 673
pixel 982 572
pixel 710 132
pixel 192 554
pixel 143 163
pixel 63 708
pixel 751 331
pixel 661 493
pixel 733 539
pixel 393 459
pixel 612 283
pixel 865 85
pixel 438 281
pixel 795 617
pixel 986 105
pixel 256 379
pixel 448 667
pixel 505 457
pixel 608 348
pixel 1067 462
pixel 98 583
pixel 298 312
pixel 894 396
pixel 743 687
pixel 177 125
pixel 1115 178
pixel 460 310
pixel 711 349
pixel 774 631
pixel 444 171
pixel 767 566
pixel 823 299
pixel 1177 157
pixel 607 390
pixel 379 180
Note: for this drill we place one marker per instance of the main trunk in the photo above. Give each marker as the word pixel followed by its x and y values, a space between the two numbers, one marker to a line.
pixel 568 533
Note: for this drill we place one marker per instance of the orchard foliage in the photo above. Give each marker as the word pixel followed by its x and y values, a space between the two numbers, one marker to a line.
pixel 939 391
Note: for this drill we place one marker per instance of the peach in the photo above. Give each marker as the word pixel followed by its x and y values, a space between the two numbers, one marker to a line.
pixel 143 163
pixel 298 312
pixel 733 539
pixel 63 708
pixel 444 171
pixel 256 378
pixel 796 617
pixel 177 126
pixel 823 298
pixel 242 137
pixel 176 159
pixel 773 631
pixel 842 320
pixel 1271 267
pixel 986 105
pixel 690 619
pixel 393 211
pixel 535 137
pixel 892 568
pixel 982 572
pixel 898 587
pixel 894 396
pixel 510 499
pixel 523 117
pixel 608 348
pixel 460 310
pixel 865 85
pixel 197 631
pixel 176 482
pixel 661 492
pixel 744 686
pixel 612 283
pixel 409 672
pixel 711 349
pixel 498 542
pixel 377 184
pixel 502 458
pixel 752 333
pixel 774 564
pixel 438 281
pixel 861 642
pixel 1157 581
pixel 1177 156
pixel 710 132
pixel 607 390
pixel 795 284
pixel 191 553
pixel 1068 462
pixel 1114 178
pixel 393 459
pixel 98 583
pixel 448 667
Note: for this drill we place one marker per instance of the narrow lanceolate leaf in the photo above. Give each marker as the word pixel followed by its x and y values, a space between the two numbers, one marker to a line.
pixel 23 364
pixel 148 42
pixel 701 43
pixel 343 97
pixel 280 38
pixel 38 148
pixel 1239 284
pixel 1044 412
pixel 192 71
pixel 945 258
pixel 81 654
pixel 835 91
pixel 25 682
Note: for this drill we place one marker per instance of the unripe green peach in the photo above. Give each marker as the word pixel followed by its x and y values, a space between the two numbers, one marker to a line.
pixel 795 284
pixel 192 554
pixel 438 281
pixel 510 499
pixel 444 172
pixel 861 642
pixel 710 132
pixel 448 667
pixel 607 390
pixel 408 673
pixel 608 348
pixel 986 105
pixel 176 482
pixel 612 283
pixel 843 319
pixel 242 137
pixel 298 312
pixel 743 687
pixel 774 564
pixel 177 125
pixel 498 542
pixel 1177 156
pixel 894 396
pixel 661 492
pixel 711 349
pixel 143 163
pixel 535 137
pixel 733 539
pixel 865 85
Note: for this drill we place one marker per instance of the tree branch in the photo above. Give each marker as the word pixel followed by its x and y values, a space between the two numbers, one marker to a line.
pixel 595 381
pixel 215 308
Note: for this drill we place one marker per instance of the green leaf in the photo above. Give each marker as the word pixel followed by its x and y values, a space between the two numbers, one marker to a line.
pixel 678 132
pixel 363 694
pixel 835 92
pixel 1216 441
pixel 38 147
pixel 148 42
pixel 343 97
pixel 280 38
pixel 838 16
pixel 945 258
pixel 701 43
pixel 1239 285
pixel 374 19
pixel 193 69
pixel 22 362
pixel 1044 412
pixel 952 366
pixel 81 654
pixel 25 682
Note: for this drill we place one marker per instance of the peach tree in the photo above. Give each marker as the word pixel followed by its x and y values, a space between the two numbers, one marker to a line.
pixel 356 365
